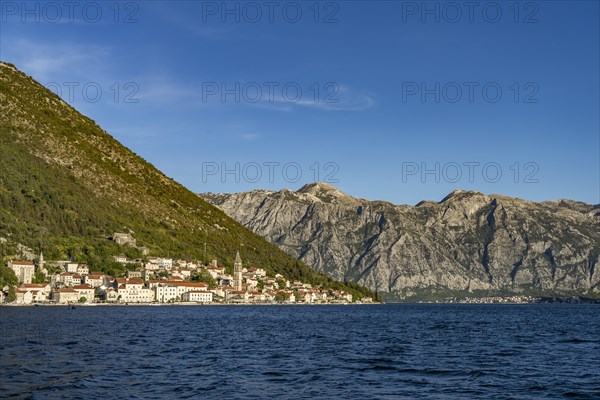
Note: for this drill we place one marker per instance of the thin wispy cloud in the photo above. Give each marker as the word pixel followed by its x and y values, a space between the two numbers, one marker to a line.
pixel 163 90
pixel 45 60
pixel 344 99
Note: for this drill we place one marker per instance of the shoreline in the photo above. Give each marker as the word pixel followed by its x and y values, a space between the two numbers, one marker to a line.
pixel 181 304
pixel 589 302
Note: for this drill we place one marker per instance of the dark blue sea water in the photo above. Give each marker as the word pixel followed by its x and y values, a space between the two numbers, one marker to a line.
pixel 297 352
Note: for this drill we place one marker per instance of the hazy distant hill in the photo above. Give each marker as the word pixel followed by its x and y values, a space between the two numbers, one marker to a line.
pixel 466 242
pixel 67 184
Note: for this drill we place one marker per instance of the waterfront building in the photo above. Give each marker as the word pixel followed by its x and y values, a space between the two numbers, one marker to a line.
pixel 169 291
pixel 65 296
pixel 134 291
pixel 40 291
pixel 198 296
pixel 85 291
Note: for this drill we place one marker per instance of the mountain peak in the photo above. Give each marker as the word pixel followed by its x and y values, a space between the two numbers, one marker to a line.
pixel 322 190
pixel 459 193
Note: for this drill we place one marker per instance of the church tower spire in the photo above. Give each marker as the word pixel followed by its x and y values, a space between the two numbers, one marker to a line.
pixel 237 272
pixel 41 263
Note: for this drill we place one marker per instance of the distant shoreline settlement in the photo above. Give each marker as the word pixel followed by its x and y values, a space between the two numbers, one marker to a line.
pixel 161 281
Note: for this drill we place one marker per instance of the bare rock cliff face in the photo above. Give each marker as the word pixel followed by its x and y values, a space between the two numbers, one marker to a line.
pixel 468 242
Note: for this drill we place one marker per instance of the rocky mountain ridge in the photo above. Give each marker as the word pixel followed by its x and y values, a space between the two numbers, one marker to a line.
pixel 467 243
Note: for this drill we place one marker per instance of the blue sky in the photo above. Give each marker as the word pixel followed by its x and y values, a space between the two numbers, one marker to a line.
pixel 366 95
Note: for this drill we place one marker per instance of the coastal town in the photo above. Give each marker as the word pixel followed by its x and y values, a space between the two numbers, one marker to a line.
pixel 158 280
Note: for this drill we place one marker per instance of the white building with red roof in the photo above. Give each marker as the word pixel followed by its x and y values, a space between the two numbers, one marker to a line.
pixel 85 291
pixel 198 296
pixel 237 296
pixel 23 296
pixel 24 270
pixel 167 291
pixel 215 272
pixel 83 269
pixel 95 279
pixel 66 279
pixel 71 267
pixel 65 296
pixel 40 291
pixel 133 290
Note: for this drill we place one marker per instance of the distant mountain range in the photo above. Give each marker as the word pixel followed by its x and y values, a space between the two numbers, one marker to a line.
pixel 468 244
pixel 66 185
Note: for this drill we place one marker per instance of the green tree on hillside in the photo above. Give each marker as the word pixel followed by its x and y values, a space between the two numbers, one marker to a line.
pixel 12 295
pixel 203 275
pixel 7 276
pixel 281 297
pixel 39 277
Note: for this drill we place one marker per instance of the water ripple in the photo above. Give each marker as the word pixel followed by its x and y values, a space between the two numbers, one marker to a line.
pixel 380 352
